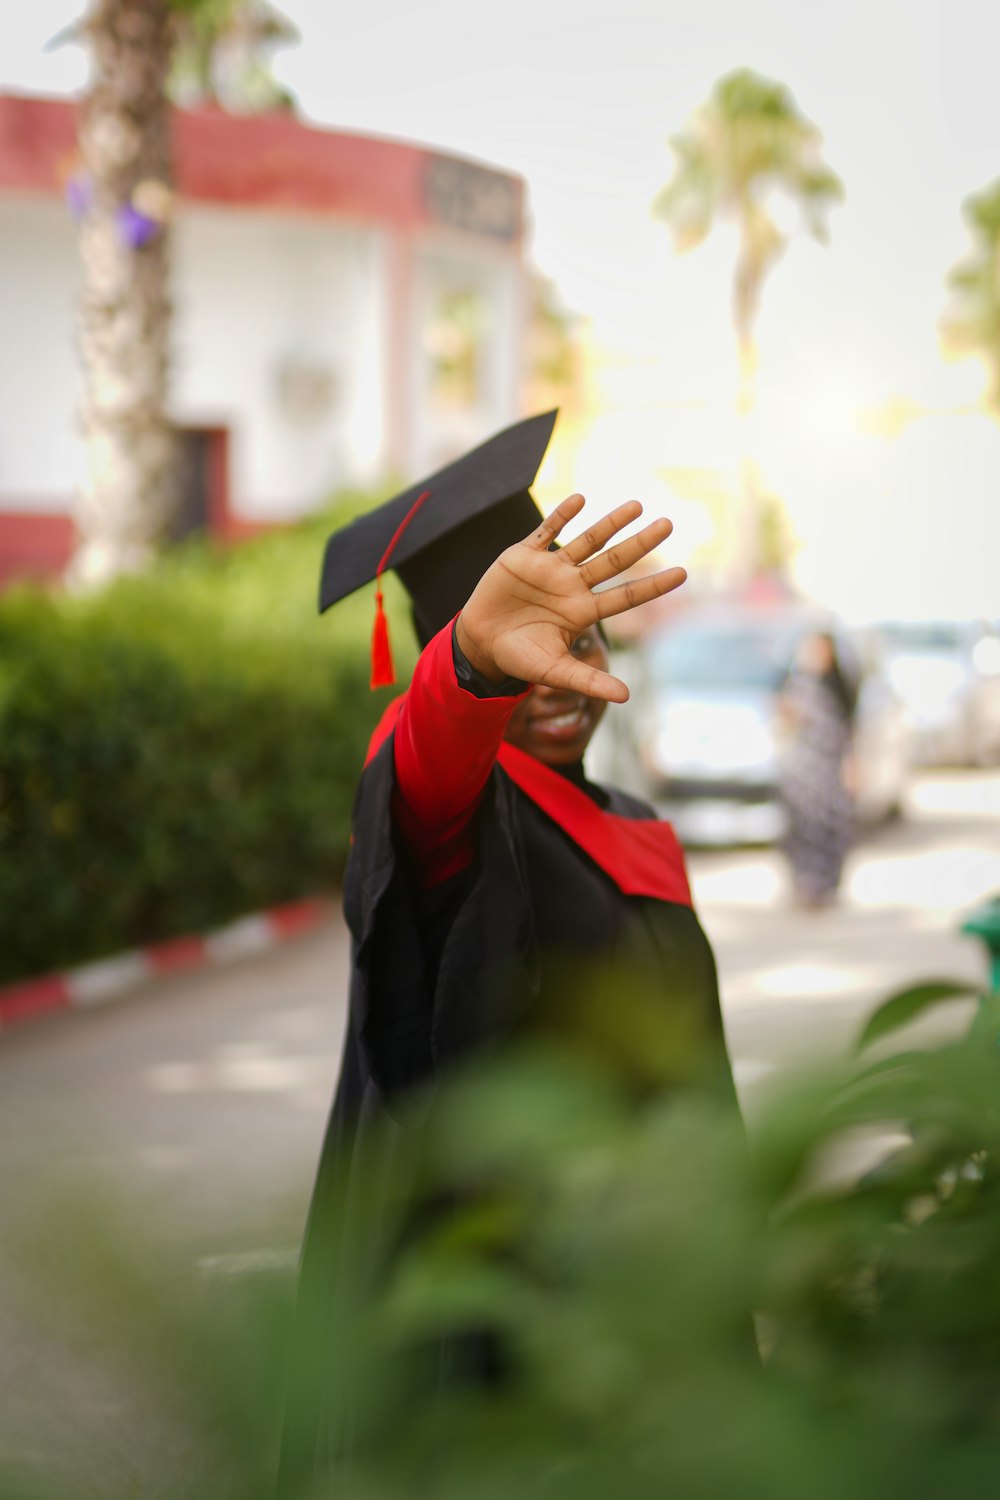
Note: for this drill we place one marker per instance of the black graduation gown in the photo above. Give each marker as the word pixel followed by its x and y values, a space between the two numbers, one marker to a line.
pixel 437 976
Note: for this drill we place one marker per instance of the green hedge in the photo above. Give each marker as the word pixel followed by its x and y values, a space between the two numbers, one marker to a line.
pixel 179 749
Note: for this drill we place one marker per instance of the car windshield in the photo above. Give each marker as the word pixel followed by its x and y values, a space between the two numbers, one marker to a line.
pixel 722 657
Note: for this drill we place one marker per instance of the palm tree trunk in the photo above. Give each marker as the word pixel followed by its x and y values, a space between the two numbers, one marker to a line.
pixel 126 496
pixel 746 521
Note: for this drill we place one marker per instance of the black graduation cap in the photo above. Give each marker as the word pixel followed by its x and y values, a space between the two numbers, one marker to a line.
pixel 440 536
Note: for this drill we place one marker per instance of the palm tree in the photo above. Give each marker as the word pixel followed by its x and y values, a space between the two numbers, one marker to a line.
pixel 971 327
pixel 747 149
pixel 124 135
pixel 124 200
pixel 222 55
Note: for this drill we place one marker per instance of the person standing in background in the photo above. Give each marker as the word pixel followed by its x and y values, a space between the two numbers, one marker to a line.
pixel 817 708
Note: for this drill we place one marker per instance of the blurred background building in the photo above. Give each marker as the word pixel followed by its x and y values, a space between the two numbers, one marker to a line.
pixel 345 308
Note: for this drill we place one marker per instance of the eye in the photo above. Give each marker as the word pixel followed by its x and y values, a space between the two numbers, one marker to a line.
pixel 585 643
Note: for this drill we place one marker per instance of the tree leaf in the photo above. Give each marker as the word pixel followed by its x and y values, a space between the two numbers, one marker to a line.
pixel 908 1004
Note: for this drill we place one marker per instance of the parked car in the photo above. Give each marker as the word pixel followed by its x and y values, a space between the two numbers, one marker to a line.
pixel 703 739
pixel 948 676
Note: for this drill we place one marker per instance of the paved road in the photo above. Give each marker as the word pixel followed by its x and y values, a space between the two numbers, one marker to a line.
pixel 797 984
pixel 203 1099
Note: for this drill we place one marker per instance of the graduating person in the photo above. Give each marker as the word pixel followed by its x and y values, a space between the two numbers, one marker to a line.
pixel 485 868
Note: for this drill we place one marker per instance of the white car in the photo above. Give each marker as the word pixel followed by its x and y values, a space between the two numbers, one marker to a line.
pixel 948 676
pixel 702 738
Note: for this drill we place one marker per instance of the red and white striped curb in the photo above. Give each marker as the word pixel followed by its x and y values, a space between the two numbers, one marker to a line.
pixel 109 978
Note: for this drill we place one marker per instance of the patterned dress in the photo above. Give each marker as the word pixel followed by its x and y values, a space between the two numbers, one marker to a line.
pixel 818 805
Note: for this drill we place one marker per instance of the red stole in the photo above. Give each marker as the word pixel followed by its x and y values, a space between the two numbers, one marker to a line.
pixel 641 855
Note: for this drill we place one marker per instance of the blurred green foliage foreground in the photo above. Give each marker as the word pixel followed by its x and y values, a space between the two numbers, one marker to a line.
pixel 179 749
pixel 610 1233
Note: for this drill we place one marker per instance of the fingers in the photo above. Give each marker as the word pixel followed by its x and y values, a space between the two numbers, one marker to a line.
pixel 553 524
pixel 594 567
pixel 637 591
pixel 626 553
pixel 594 538
pixel 577 677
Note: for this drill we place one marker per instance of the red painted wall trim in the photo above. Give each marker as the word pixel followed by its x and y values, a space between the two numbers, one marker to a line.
pixel 269 161
pixel 34 544
pixel 274 162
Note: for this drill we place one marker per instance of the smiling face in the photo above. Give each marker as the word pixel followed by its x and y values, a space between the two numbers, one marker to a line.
pixel 554 725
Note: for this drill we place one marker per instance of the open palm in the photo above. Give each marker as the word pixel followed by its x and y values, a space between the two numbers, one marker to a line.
pixel 532 604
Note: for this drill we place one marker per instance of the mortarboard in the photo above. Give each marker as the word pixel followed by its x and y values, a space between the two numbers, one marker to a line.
pixel 441 535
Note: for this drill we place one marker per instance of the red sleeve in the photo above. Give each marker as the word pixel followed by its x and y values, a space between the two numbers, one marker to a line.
pixel 445 744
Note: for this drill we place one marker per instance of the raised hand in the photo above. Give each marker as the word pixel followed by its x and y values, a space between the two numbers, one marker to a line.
pixel 529 607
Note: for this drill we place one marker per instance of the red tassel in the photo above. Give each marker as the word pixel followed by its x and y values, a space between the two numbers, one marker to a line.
pixel 383 671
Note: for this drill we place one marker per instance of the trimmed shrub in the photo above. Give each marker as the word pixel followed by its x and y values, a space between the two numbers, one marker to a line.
pixel 180 748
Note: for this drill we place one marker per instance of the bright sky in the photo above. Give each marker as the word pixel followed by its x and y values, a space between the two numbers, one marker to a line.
pixel 581 100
